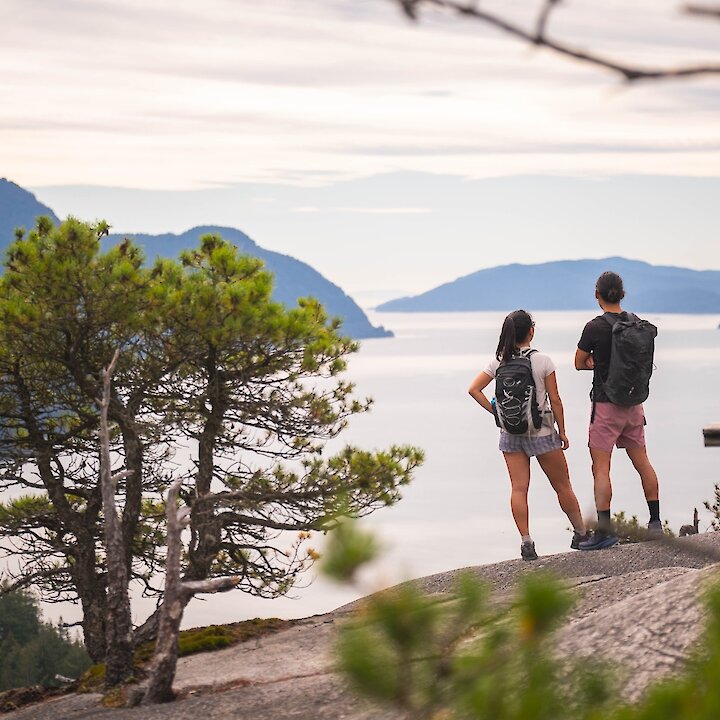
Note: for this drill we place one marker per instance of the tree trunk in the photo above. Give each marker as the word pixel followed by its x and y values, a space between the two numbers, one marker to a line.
pixel 133 448
pixel 82 557
pixel 162 673
pixel 177 596
pixel 166 648
pixel 119 659
pixel 206 528
pixel 93 622
pixel 148 630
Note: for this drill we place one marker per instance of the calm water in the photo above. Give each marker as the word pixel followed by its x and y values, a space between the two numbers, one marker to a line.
pixel 456 513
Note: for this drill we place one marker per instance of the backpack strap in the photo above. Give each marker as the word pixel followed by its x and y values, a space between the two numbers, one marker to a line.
pixel 612 319
pixel 527 355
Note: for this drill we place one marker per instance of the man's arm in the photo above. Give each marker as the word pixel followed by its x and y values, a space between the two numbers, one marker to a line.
pixel 584 360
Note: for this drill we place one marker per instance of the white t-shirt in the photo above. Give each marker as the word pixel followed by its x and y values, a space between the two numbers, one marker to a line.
pixel 542 366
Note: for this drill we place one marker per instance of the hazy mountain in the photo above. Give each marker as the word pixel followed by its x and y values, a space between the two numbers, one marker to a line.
pixel 569 285
pixel 293 278
pixel 18 208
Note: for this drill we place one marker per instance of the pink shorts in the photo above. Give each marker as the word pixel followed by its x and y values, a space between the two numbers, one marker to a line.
pixel 617 425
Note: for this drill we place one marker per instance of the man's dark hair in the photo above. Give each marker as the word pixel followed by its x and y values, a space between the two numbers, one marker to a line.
pixel 610 288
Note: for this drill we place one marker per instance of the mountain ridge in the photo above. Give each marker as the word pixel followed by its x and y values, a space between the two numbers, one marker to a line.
pixel 568 285
pixel 293 278
pixel 19 208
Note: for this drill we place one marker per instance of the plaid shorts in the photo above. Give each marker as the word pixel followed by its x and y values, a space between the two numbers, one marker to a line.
pixel 530 444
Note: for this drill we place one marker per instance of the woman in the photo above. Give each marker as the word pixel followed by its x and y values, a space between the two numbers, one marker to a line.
pixel 545 442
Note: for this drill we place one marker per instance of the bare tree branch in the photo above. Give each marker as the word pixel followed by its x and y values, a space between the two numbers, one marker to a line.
pixel 220 584
pixel 630 73
pixel 703 10
pixel 178 594
pixel 29 580
pixel 543 18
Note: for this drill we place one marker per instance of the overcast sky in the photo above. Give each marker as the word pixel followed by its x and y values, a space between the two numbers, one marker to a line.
pixel 334 129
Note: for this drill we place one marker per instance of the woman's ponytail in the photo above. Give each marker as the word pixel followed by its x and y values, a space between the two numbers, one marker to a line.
pixel 506 345
pixel 515 329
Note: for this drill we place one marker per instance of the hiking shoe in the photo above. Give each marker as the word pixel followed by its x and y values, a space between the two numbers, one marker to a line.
pixel 527 551
pixel 599 541
pixel 655 530
pixel 577 538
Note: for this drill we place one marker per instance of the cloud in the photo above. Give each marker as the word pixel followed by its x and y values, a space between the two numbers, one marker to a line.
pixel 364 210
pixel 148 94
pixel 500 148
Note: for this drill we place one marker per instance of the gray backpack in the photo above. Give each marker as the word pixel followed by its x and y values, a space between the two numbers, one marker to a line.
pixel 631 359
pixel 516 408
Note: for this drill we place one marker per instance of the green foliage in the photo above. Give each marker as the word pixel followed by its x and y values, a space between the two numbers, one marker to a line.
pixel 208 361
pixel 205 639
pixel 19 617
pixel 464 656
pixel 33 652
pixel 93 679
pixel 349 549
pixel 25 511
pixel 385 651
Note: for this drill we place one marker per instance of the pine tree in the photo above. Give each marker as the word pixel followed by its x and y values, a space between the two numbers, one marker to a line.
pixel 210 368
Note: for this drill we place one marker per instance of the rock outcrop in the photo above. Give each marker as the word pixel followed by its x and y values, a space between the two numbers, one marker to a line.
pixel 640 605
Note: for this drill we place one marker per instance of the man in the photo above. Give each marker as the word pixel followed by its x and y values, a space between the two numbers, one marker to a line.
pixel 612 424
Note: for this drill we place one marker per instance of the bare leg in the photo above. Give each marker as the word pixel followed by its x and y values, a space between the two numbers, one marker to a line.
pixel 601 474
pixel 648 476
pixel 518 465
pixel 554 465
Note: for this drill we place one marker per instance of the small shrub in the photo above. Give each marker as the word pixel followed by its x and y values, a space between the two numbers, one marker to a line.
pixel 215 637
pixel 629 530
pixel 205 640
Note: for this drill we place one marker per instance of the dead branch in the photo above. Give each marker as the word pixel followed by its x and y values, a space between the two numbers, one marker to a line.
pixel 540 38
pixel 712 11
pixel 213 585
pixel 178 594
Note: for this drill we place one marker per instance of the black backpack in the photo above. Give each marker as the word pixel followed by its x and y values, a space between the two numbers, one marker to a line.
pixel 631 359
pixel 516 407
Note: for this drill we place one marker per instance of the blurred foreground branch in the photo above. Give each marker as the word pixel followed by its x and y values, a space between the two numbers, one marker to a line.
pixel 539 37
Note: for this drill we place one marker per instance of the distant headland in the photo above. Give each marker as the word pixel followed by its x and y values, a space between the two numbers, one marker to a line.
pixel 568 285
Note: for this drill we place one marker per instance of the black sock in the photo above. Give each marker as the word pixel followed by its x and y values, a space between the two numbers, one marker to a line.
pixel 604 521
pixel 654 507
